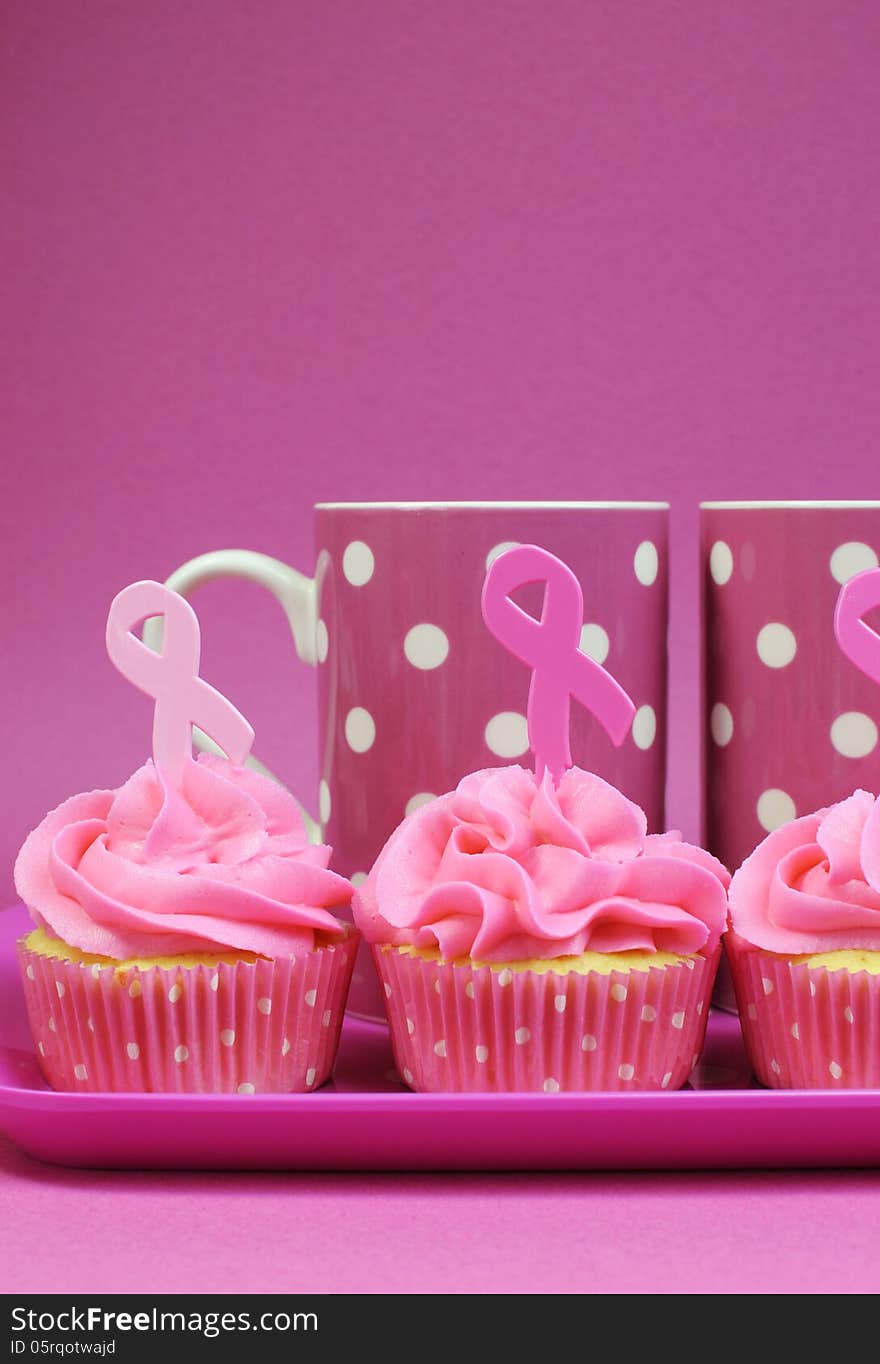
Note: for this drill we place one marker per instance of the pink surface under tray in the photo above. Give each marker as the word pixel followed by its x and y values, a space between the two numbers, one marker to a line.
pixel 366 1120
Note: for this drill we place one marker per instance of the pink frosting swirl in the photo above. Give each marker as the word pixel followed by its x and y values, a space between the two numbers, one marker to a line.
pixel 505 869
pixel 223 864
pixel 814 884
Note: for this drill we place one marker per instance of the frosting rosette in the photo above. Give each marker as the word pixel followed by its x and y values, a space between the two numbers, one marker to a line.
pixel 505 868
pixel 221 864
pixel 814 884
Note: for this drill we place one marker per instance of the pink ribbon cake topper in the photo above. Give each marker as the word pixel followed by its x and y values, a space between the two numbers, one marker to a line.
pixel 857 640
pixel 172 678
pixel 551 648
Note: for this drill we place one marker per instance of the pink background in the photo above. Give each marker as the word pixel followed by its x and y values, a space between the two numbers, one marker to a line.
pixel 255 256
pixel 759 1232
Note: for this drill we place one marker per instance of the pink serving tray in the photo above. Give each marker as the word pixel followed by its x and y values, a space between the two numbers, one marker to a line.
pixel 365 1120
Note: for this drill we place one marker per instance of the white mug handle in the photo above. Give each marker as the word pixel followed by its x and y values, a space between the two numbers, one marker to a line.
pixel 297 595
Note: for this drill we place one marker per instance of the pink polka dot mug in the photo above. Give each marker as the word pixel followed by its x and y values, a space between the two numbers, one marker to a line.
pixel 790 725
pixel 413 690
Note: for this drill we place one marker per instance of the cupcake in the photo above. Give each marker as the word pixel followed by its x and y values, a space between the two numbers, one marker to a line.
pixel 185 937
pixel 804 949
pixel 531 935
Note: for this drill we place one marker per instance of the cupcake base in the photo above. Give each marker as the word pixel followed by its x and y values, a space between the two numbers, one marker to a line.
pixel 805 1026
pixel 461 1027
pixel 245 1027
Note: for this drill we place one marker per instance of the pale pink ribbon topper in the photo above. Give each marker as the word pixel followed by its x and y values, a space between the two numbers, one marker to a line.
pixel 856 638
pixel 551 648
pixel 172 678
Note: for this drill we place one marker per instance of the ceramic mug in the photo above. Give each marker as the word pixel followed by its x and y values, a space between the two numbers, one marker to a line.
pixel 413 691
pixel 790 725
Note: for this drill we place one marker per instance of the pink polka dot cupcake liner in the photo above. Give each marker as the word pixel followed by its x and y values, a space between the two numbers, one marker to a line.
pixel 246 1028
pixel 806 1027
pixel 458 1027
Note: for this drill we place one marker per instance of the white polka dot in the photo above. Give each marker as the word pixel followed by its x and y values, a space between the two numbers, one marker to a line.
pixel 90 1025
pixel 325 804
pixel 360 730
pixel 767 985
pixel 752 1011
pixel 358 563
pixel 415 802
pixel 507 734
pixel 80 1072
pixel 551 1086
pixel 626 1071
pixel 133 1050
pixel 559 1004
pixel 648 1014
pixel 776 645
pixel 595 642
pixel 52 1027
pixel 322 641
pixel 264 1005
pixel 482 1054
pixel 407 1075
pixel 31 974
pixel 721 562
pixel 775 1067
pixel 245 1087
pixel 310 997
pixel 468 989
pixel 521 1036
pixel 505 977
pixel 227 1037
pixel 774 809
pixel 181 1054
pixel 835 1069
pixel 500 549
pixel 41 1049
pixel 851 558
pixel 699 1007
pixel 848 1014
pixel 387 990
pixel 854 734
pixel 358 878
pixel 646 563
pixel 440 1048
pixel 721 724
pixel 437 988
pixel 135 989
pixel 664 1083
pixel 644 727
pixel 214 982
pixel 618 993
pixel 410 1026
pixel 677 1019
pixel 588 1042
pixel 310 1076
pixel 325 1018
pixel 61 988
pixel 174 993
pixel 812 988
pixel 795 1032
pixel 426 646
pixel 285 1046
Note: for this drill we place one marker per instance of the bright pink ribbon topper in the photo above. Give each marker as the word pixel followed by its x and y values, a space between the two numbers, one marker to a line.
pixel 172 678
pixel 551 648
pixel 857 640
